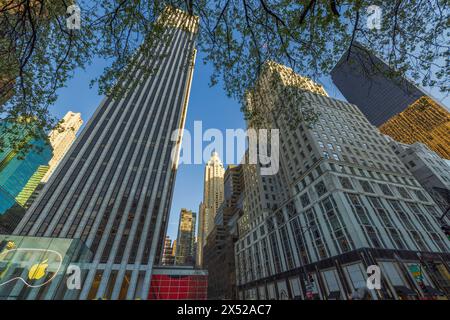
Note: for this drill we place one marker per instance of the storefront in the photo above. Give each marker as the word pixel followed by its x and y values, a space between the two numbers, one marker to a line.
pixel 38 268
pixel 403 276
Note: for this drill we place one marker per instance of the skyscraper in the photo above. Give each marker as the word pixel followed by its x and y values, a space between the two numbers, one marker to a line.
pixel 350 203
pixel 391 102
pixel 61 140
pixel 200 235
pixel 17 173
pixel 184 254
pixel 212 199
pixel 113 188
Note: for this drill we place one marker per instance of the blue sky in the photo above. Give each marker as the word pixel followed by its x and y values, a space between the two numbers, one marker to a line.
pixel 208 104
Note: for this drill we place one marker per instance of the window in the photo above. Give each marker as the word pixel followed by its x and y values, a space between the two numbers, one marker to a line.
pixel 366 186
pixel 356 275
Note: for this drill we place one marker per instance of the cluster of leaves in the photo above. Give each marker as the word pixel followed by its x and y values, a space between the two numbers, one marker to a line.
pixel 311 36
pixel 38 53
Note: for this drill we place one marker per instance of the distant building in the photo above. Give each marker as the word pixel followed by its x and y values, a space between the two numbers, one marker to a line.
pixel 61 139
pixel 201 236
pixel 432 172
pixel 58 144
pixel 212 199
pixel 114 187
pixel 168 257
pixel 219 249
pixel 391 102
pixel 185 240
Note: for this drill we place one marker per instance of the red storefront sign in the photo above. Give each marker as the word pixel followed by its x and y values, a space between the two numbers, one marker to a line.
pixel 178 287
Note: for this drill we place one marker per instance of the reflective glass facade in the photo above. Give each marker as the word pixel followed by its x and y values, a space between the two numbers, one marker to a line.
pixel 37 267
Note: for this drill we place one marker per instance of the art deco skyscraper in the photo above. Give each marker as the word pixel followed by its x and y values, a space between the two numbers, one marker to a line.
pixel 61 139
pixel 212 199
pixel 113 189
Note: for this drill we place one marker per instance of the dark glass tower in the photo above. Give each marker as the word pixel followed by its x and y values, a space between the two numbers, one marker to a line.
pixel 114 187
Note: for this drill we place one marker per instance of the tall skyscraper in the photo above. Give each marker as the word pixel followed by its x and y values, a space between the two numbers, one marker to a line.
pixel 350 203
pixel 212 199
pixel 391 102
pixel 184 254
pixel 168 253
pixel 113 188
pixel 61 140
